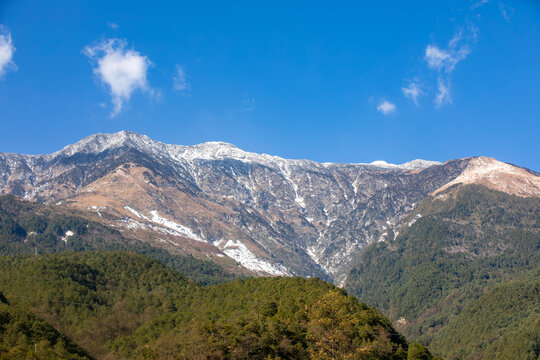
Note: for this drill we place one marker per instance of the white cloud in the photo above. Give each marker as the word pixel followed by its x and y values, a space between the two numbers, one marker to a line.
pixel 443 96
pixel 386 107
pixel 113 26
pixel 413 92
pixel 180 80
pixel 444 60
pixel 6 51
pixel 124 71
pixel 436 57
pixel 458 49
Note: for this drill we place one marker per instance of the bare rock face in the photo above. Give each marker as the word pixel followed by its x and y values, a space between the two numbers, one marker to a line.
pixel 272 215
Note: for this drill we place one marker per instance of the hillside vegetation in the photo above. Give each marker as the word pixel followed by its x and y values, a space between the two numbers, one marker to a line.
pixel 451 251
pixel 23 335
pixel 503 323
pixel 123 305
pixel 31 228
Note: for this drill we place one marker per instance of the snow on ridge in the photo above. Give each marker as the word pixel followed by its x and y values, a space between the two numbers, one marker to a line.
pixel 173 227
pixel 382 163
pixel 95 143
pixel 135 212
pixel 410 165
pixel 312 254
pixel 212 150
pixel 179 228
pixel 236 250
pixel 286 172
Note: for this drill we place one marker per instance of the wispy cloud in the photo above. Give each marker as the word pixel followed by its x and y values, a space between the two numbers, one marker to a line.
pixel 506 11
pixel 180 80
pixel 6 51
pixel 435 57
pixel 479 3
pixel 413 92
pixel 386 107
pixel 248 104
pixel 121 69
pixel 444 60
pixel 443 96
pixel 113 26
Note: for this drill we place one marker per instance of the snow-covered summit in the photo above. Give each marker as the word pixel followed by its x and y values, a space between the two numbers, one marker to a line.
pixel 411 165
pixel 97 143
pixel 213 150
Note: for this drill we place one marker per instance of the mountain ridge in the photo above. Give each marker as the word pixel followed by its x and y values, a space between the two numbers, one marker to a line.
pixel 210 150
pixel 272 215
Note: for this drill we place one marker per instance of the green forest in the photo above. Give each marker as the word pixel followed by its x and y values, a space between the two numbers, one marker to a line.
pixel 439 274
pixel 504 323
pixel 128 306
pixel 24 335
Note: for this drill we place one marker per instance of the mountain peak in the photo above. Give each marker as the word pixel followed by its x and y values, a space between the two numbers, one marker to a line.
pixel 499 176
pixel 217 144
pixel 411 165
pixel 100 142
pixel 211 150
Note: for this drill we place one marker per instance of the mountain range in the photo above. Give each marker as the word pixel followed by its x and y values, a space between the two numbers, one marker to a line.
pixel 270 215
pixel 449 252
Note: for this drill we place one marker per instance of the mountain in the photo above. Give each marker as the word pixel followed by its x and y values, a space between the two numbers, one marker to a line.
pixel 427 243
pixel 120 305
pixel 272 215
pixel 456 273
pixel 32 228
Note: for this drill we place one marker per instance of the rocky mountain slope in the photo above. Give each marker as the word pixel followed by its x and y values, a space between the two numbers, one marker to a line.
pixel 272 215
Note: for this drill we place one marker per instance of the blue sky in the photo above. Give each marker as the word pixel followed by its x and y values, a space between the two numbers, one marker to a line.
pixel 327 81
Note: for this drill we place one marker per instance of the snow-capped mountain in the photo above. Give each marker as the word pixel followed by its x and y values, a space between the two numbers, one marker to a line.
pixel 272 215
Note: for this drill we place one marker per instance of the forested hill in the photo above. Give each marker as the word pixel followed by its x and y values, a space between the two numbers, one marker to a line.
pixel 122 305
pixel 33 228
pixel 503 323
pixel 23 335
pixel 432 278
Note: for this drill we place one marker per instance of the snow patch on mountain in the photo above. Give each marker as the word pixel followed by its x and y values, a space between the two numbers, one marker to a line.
pixel 179 228
pixel 135 212
pixel 236 250
pixel 170 226
pixel 67 235
pixel 414 219
pixel 312 254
